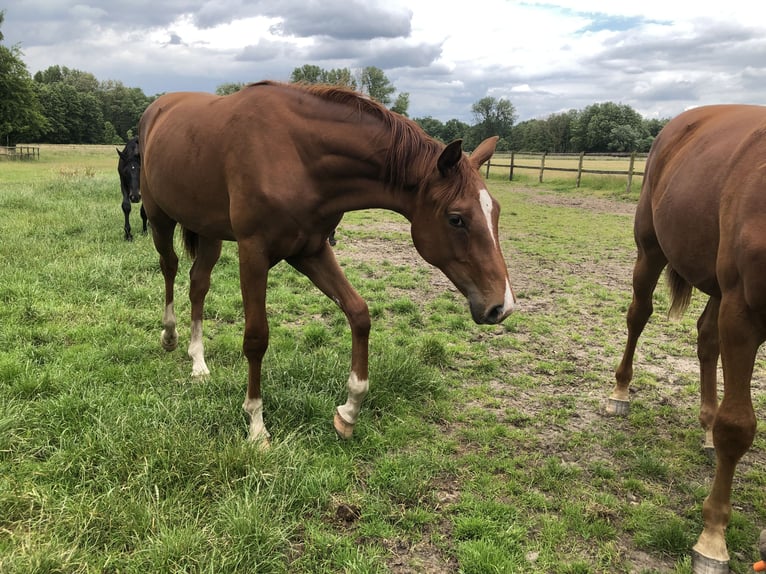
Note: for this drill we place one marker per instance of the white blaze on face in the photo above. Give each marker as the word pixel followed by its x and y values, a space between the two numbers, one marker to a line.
pixel 485 200
pixel 486 206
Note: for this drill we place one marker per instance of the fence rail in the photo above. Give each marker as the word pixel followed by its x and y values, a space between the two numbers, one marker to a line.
pixel 561 163
pixel 20 152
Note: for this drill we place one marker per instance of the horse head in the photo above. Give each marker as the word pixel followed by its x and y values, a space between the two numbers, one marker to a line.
pixel 129 168
pixel 455 228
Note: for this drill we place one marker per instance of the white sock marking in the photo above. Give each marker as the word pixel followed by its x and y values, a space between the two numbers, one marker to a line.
pixel 169 336
pixel 254 407
pixel 197 351
pixel 357 390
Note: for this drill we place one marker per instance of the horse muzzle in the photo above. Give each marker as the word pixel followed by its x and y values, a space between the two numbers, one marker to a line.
pixel 494 314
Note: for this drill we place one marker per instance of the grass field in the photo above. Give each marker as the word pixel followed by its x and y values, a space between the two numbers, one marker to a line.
pixel 480 449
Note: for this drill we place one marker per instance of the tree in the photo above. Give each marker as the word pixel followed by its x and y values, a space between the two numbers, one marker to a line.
pixel 494 117
pixel 432 126
pixel 122 107
pixel 455 130
pixel 74 117
pixel 339 77
pixel 229 88
pixel 608 127
pixel 21 115
pixel 401 103
pixel 375 84
pixel 311 74
pixel 372 82
pixel 307 74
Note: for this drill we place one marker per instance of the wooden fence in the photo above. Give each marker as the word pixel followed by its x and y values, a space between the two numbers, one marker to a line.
pixel 562 162
pixel 20 152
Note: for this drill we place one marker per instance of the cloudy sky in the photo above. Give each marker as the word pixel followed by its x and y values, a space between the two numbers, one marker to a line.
pixel 659 57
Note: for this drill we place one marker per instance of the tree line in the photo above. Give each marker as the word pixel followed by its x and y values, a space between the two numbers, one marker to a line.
pixel 63 105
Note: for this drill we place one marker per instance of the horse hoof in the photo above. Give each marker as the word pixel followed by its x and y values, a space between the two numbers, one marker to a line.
pixel 704 565
pixel 262 441
pixel 617 407
pixel 169 343
pixel 200 374
pixel 344 429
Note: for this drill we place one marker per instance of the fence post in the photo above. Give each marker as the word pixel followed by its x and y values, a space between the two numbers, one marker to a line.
pixel 542 167
pixel 489 162
pixel 510 172
pixel 630 172
pixel 579 168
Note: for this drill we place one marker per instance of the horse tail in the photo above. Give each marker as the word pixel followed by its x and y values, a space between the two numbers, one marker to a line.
pixel 680 293
pixel 191 242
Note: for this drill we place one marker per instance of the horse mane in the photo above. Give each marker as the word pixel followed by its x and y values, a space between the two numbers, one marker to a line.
pixel 411 151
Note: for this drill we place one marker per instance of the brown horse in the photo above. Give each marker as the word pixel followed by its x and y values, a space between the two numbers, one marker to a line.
pixel 702 213
pixel 274 167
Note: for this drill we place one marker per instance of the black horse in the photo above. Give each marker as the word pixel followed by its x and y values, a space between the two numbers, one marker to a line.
pixel 129 168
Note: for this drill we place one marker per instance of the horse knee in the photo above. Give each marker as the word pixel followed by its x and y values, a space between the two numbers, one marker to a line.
pixel 359 317
pixel 254 346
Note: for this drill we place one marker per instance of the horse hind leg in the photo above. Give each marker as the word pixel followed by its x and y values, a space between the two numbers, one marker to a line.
pixel 708 351
pixel 207 252
pixel 741 332
pixel 646 272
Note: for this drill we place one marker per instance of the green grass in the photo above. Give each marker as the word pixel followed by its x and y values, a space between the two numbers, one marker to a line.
pixel 479 449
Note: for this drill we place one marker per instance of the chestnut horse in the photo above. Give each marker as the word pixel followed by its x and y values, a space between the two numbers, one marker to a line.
pixel 702 213
pixel 274 167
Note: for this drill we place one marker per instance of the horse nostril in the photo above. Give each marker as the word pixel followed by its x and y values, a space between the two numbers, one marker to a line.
pixel 495 315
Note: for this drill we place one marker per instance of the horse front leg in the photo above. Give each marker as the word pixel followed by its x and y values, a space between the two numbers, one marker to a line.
pixel 207 254
pixel 323 270
pixel 646 272
pixel 733 428
pixel 162 234
pixel 253 275
pixel 126 213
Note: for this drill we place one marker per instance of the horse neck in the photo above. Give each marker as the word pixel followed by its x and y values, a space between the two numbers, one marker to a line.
pixel 361 174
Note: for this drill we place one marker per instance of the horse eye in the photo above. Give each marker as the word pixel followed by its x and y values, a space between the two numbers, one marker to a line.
pixel 455 220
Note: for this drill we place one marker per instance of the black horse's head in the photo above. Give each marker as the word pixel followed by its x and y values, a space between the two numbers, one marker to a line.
pixel 129 168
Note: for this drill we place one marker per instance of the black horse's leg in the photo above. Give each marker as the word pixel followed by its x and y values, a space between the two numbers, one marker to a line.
pixel 126 211
pixel 143 217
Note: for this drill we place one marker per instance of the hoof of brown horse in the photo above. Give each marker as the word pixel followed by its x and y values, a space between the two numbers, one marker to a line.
pixel 261 442
pixel 344 429
pixel 617 407
pixel 704 565
pixel 169 343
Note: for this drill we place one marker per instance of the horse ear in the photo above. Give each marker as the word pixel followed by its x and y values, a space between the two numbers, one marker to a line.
pixel 483 152
pixel 450 157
